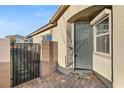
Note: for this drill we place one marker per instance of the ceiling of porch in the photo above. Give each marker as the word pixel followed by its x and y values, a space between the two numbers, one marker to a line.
pixel 88 14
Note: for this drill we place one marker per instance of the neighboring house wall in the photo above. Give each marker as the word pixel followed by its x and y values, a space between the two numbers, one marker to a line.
pixel 118 46
pixel 4 63
pixel 38 38
pixel 20 39
pixel 17 38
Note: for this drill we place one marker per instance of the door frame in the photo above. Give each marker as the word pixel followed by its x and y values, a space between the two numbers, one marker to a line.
pixel 74 40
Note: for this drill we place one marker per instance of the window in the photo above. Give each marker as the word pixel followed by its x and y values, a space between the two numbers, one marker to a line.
pixel 30 40
pixel 17 39
pixel 102 30
pixel 47 37
pixel 102 27
pixel 102 36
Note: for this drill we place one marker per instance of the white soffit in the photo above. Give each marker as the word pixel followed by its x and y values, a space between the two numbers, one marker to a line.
pixel 100 16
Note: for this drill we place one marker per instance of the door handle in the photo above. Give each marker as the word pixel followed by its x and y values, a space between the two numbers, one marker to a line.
pixel 75 55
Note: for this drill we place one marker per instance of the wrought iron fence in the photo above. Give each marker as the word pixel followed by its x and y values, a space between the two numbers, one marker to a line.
pixel 25 59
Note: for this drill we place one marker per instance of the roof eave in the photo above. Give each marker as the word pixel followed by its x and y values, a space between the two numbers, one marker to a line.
pixel 42 30
pixel 53 21
pixel 59 13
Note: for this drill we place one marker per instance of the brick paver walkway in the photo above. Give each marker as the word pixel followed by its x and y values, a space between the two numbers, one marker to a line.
pixel 59 80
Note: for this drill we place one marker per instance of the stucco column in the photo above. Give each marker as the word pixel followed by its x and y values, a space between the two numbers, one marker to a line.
pixel 4 63
pixel 49 57
pixel 118 46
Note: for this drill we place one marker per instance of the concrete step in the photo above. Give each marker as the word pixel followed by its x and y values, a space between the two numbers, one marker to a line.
pixel 82 74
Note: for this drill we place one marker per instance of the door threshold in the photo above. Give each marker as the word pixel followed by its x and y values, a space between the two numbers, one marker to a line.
pixel 83 71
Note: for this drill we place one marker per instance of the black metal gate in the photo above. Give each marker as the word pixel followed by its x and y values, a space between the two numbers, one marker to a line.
pixel 25 59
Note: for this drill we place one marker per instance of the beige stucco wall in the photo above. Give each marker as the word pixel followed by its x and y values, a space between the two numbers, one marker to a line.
pixel 49 57
pixel 59 32
pixel 118 46
pixel 38 38
pixel 4 50
pixel 4 63
pixel 102 65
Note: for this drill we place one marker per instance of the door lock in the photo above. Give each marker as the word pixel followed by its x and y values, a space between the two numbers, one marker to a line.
pixel 75 55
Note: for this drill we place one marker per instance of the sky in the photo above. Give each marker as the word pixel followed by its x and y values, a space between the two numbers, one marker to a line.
pixel 24 19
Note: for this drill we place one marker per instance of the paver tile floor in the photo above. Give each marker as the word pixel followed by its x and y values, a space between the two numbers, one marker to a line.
pixel 59 80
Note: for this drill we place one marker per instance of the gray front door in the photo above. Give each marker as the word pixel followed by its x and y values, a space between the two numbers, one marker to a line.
pixel 83 43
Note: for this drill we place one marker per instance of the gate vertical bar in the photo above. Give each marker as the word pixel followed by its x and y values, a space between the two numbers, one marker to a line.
pixel 18 63
pixel 26 66
pixel 33 60
pixel 13 63
pixel 27 61
pixel 21 64
pixel 30 59
pixel 24 61
pixel 38 60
